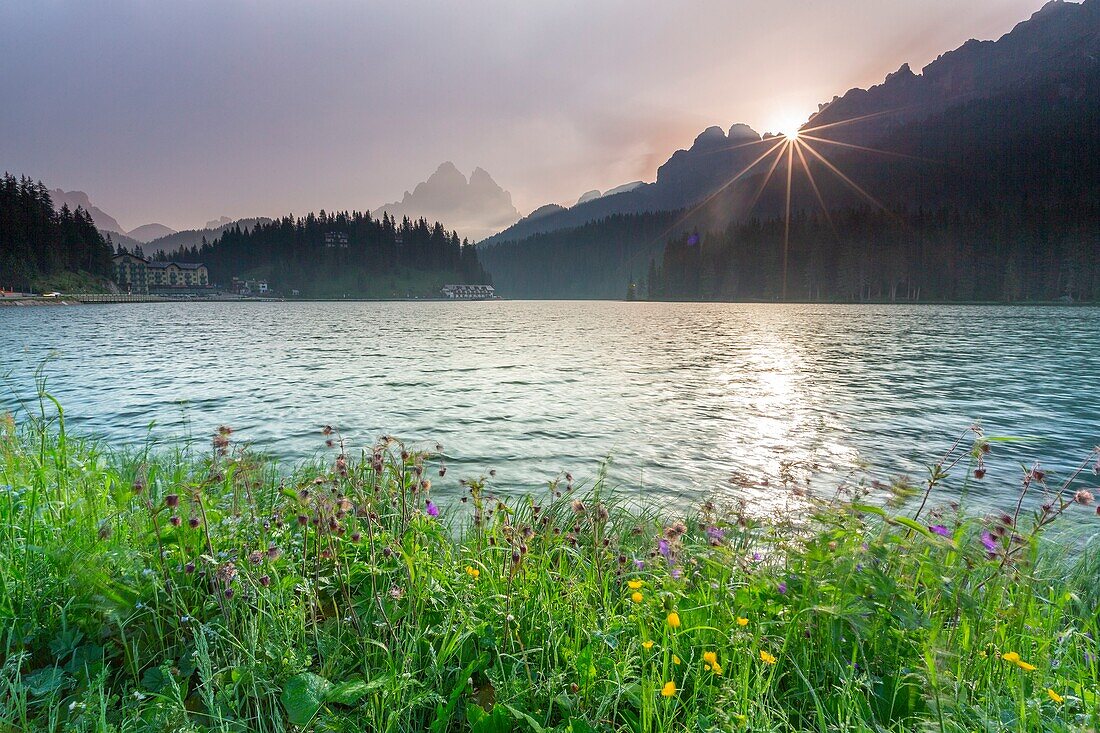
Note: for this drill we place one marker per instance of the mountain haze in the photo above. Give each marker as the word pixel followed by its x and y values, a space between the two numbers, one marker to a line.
pixel 475 208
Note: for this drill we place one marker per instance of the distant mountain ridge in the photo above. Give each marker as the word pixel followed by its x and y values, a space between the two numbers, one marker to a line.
pixel 1063 38
pixel 194 237
pixel 103 220
pixel 474 208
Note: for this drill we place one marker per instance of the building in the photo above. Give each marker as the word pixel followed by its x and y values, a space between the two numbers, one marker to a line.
pixel 250 287
pixel 138 275
pixel 131 273
pixel 178 275
pixel 469 292
pixel 336 240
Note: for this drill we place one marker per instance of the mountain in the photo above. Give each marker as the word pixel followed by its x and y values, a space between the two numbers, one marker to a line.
pixel 475 208
pixel 102 219
pixel 194 237
pixel 1062 39
pixel 148 232
pixel 219 222
pixel 976 180
pixel 687 177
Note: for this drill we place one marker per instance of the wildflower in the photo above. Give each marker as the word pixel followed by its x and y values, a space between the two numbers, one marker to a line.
pixel 432 509
pixel 939 529
pixel 674 620
pixel 987 541
pixel 676 573
pixel 473 572
pixel 578 506
pixel 1055 696
pixel 193 522
pixel 742 621
pixel 189 568
pixel 175 520
pixel 265 580
pixel 766 657
pixel 636 597
pixel 647 645
pixel 1083 496
pixel 676 530
pixel 669 689
pixel 255 557
pixel 710 657
pixel 172 501
pixel 979 473
pixel 639 564
pixel 715 535
pixel 664 548
pixel 634 584
pixel 675 659
pixel 782 588
pixel 1014 658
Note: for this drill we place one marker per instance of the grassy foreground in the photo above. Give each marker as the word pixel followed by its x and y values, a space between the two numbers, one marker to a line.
pixel 205 590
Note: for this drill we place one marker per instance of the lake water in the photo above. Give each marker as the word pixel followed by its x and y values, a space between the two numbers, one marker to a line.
pixel 690 400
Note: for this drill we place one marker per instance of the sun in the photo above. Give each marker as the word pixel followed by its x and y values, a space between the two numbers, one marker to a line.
pixel 788 127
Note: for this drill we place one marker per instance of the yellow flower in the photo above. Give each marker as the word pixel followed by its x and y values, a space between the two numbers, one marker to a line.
pixel 636 597
pixel 473 572
pixel 669 690
pixel 1014 658
pixel 742 621
pixel 675 659
pixel 716 668
pixel 710 657
pixel 674 620
pixel 1055 696
pixel 647 645
pixel 766 657
pixel 740 718
pixel 634 584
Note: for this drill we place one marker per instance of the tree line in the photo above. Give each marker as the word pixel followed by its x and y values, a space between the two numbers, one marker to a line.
pixel 337 254
pixel 37 241
pixel 1039 253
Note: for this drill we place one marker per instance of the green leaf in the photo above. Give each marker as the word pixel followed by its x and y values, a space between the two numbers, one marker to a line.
pixel 45 681
pixel 353 690
pixel 496 721
pixel 521 715
pixel 303 696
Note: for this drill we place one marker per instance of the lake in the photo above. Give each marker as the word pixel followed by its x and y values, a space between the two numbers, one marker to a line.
pixel 690 400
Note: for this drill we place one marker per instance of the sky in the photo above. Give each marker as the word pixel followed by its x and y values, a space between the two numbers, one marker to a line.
pixel 181 112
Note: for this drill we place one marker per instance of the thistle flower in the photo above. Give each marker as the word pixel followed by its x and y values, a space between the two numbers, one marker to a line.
pixel 669 689
pixel 940 530
pixel 988 542
pixel 432 509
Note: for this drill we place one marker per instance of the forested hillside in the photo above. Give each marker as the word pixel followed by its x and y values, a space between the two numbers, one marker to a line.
pixel 39 243
pixel 340 254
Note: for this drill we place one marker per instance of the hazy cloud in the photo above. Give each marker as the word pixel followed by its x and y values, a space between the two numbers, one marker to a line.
pixel 181 112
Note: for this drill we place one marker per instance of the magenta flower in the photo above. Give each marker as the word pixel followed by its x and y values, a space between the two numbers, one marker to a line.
pixel 987 541
pixel 940 530
pixel 782 587
pixel 432 509
pixel 663 548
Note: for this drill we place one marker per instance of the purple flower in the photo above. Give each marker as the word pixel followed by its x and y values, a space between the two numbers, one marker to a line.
pixel 987 540
pixel 663 548
pixel 676 573
pixel 757 557
pixel 782 587
pixel 715 534
pixel 433 510
pixel 639 564
pixel 940 530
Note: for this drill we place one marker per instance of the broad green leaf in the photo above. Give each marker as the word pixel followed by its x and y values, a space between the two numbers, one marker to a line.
pixel 303 696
